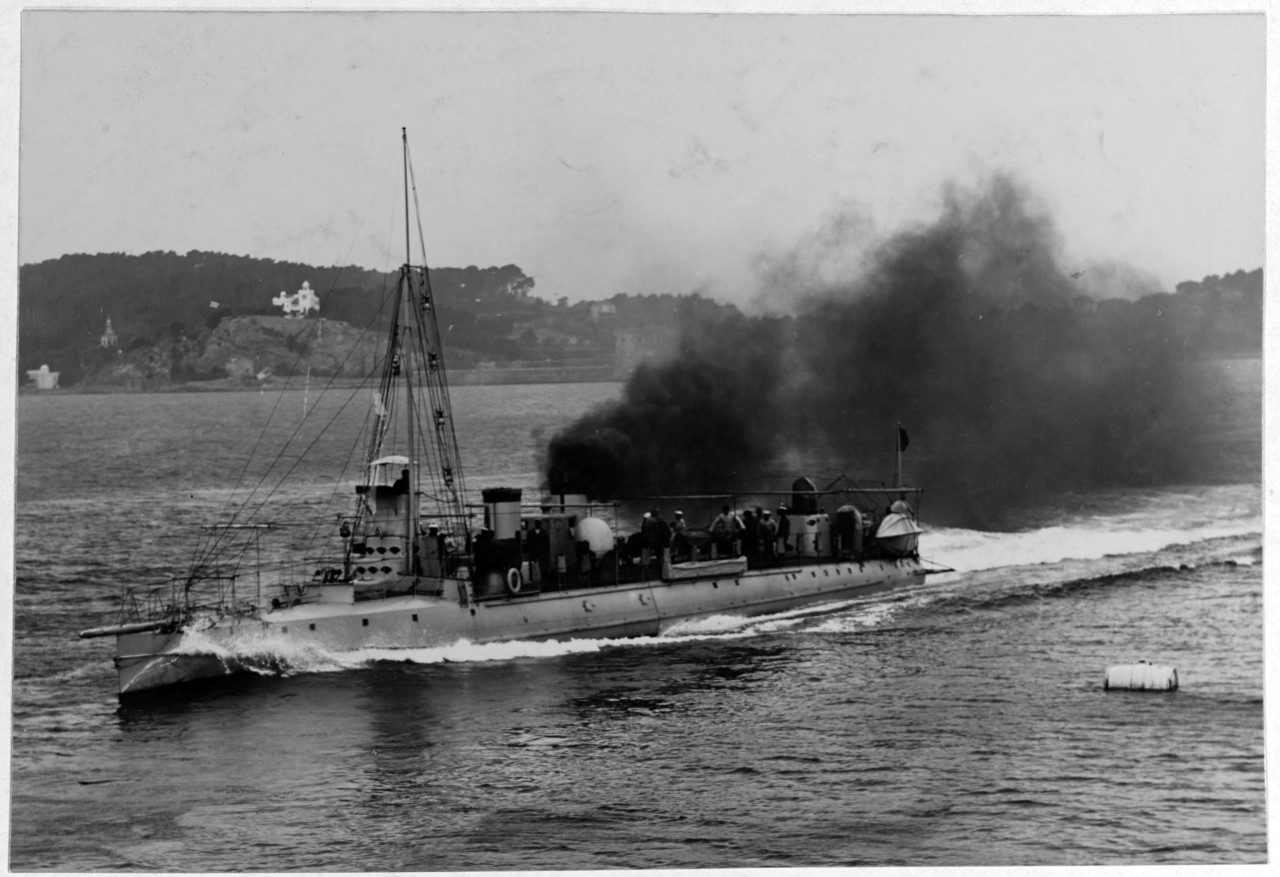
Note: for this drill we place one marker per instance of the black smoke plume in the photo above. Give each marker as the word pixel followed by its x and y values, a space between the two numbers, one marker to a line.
pixel 968 331
pixel 702 421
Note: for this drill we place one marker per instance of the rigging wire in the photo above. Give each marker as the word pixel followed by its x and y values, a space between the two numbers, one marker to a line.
pixel 431 351
pixel 244 511
pixel 206 547
pixel 201 545
pixel 210 545
pixel 436 447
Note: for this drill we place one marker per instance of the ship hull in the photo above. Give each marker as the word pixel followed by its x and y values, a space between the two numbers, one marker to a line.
pixel 149 660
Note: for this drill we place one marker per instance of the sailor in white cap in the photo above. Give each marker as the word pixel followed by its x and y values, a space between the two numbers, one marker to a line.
pixel 678 540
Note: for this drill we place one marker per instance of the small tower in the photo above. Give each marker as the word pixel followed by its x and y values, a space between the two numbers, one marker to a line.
pixel 108 336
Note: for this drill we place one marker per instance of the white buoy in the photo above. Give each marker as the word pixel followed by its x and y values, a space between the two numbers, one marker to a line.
pixel 1141 677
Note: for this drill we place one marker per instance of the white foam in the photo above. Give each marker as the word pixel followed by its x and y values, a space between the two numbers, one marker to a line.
pixel 869 617
pixel 271 653
pixel 1091 539
pixel 708 626
pixel 464 651
pixel 267 651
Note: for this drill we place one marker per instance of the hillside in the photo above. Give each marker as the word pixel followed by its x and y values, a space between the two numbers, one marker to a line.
pixel 157 300
pixel 241 350
pixel 164 308
pixel 209 316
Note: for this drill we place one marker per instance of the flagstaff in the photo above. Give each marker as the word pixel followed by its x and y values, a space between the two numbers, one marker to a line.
pixel 900 444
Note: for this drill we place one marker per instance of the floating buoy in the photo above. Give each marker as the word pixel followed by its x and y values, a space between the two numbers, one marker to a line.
pixel 1141 677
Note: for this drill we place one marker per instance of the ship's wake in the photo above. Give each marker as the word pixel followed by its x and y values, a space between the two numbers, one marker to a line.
pixel 1132 525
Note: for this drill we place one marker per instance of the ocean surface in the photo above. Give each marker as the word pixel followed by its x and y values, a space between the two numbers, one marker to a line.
pixel 962 723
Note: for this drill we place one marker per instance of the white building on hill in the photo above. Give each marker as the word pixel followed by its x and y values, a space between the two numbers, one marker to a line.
pixel 43 379
pixel 301 303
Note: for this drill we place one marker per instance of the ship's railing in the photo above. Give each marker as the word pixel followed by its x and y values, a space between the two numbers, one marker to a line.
pixel 147 602
pixel 253 580
pixel 823 519
pixel 177 599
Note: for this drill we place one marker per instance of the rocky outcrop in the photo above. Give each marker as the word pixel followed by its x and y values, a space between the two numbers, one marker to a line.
pixel 146 367
pixel 247 347
pixel 248 351
pixel 243 350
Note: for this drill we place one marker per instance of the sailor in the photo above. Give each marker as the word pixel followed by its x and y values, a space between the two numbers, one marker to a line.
pixel 539 549
pixel 661 534
pixel 485 553
pixel 429 551
pixel 768 537
pixel 784 528
pixel 751 532
pixel 679 541
pixel 647 526
pixel 635 549
pixel 723 529
pixel 434 552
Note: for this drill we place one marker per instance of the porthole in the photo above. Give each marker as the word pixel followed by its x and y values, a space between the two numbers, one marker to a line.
pixel 364 622
pixel 311 627
pixel 415 616
pixel 284 629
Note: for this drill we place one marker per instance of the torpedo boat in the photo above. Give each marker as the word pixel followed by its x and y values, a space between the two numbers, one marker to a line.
pixel 414 563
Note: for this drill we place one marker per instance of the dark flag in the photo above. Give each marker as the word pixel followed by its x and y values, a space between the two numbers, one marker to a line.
pixel 902 439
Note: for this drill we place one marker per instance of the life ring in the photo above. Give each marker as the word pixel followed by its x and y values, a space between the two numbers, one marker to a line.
pixel 515 581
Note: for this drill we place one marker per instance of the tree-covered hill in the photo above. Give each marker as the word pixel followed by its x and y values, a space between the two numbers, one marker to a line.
pixel 163 302
pixel 64 303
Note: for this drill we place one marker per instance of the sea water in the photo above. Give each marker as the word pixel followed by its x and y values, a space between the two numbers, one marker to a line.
pixel 961 722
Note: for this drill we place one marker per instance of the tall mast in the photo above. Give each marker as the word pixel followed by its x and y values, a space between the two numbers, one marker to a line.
pixel 438 470
pixel 404 148
pixel 406 301
pixel 414 355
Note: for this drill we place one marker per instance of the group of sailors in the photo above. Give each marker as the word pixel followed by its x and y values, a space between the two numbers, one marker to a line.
pixel 757 534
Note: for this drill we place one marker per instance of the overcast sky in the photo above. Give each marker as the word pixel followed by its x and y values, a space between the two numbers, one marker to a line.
pixel 607 153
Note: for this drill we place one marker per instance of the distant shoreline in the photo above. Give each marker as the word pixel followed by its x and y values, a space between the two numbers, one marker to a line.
pixel 457 378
